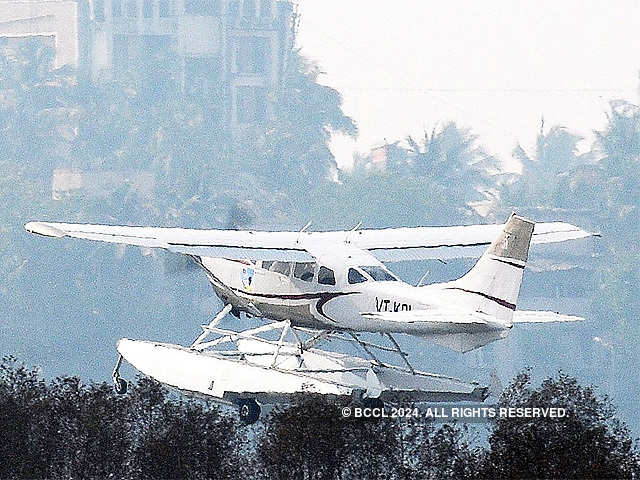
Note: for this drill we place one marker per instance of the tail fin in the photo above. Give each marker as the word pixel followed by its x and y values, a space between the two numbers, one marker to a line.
pixel 493 284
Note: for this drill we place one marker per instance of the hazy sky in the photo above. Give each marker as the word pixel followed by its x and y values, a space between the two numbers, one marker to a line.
pixel 495 66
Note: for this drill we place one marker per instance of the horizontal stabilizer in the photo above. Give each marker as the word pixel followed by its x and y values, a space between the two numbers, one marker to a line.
pixel 455 329
pixel 465 342
pixel 533 316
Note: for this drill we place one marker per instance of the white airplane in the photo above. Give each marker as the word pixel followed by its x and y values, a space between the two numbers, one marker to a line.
pixel 320 283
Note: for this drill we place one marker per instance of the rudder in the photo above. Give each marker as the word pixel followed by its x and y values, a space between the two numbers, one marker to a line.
pixel 493 284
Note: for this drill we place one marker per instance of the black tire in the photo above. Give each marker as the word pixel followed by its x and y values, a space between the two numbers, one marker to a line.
pixel 249 411
pixel 372 403
pixel 120 386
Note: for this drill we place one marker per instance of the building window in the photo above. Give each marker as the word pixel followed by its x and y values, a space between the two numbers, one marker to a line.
pixel 98 10
pixel 249 10
pixel 120 52
pixel 147 8
pixel 201 75
pixel 164 8
pixel 232 9
pixel 132 9
pixel 207 8
pixel 252 55
pixel 265 9
pixel 116 8
pixel 252 104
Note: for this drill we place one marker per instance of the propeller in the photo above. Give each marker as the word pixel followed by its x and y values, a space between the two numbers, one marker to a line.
pixel 238 216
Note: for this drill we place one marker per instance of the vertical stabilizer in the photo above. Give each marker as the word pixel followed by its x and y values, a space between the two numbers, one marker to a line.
pixel 493 284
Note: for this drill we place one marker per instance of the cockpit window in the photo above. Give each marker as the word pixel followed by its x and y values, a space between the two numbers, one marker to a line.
pixel 281 267
pixel 326 276
pixel 355 276
pixel 304 271
pixel 379 274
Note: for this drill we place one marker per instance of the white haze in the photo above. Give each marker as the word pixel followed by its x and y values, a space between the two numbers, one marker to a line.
pixel 497 67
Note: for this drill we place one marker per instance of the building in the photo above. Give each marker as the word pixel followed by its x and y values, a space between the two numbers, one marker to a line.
pixel 100 184
pixel 54 22
pixel 233 50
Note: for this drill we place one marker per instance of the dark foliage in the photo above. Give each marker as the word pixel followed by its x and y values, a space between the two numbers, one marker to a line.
pixel 67 429
pixel 590 442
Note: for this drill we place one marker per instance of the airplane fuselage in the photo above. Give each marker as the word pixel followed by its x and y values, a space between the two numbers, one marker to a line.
pixel 307 303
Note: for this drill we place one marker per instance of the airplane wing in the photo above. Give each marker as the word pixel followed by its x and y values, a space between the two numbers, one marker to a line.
pixel 388 245
pixel 231 244
pixel 423 243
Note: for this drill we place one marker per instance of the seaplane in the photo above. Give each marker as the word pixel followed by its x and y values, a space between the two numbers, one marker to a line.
pixel 312 288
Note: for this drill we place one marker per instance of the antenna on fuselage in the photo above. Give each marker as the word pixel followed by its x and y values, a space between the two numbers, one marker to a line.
pixel 346 239
pixel 302 230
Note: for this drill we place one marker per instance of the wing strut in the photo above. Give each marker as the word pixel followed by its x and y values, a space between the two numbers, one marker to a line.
pixel 214 323
pixel 366 349
pixel 402 354
pixel 285 330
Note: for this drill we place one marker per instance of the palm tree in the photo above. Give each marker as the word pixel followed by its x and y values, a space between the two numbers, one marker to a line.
pixel 546 172
pixel 450 156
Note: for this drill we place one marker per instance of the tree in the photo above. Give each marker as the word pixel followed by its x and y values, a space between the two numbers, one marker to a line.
pixel 22 397
pixel 450 156
pixel 551 175
pixel 67 429
pixel 311 439
pixel 438 181
pixel 590 442
pixel 180 439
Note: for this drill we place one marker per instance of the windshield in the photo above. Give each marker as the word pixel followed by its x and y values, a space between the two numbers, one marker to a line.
pixel 379 274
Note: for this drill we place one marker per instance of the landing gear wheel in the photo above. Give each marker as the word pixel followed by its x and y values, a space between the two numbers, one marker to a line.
pixel 249 411
pixel 120 385
pixel 372 403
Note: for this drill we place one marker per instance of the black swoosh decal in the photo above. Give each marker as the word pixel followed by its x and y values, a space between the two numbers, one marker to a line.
pixel 499 301
pixel 513 264
pixel 212 245
pixel 323 298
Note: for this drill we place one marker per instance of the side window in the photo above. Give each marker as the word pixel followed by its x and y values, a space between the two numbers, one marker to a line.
pixel 355 276
pixel 379 274
pixel 266 264
pixel 326 276
pixel 304 271
pixel 281 267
